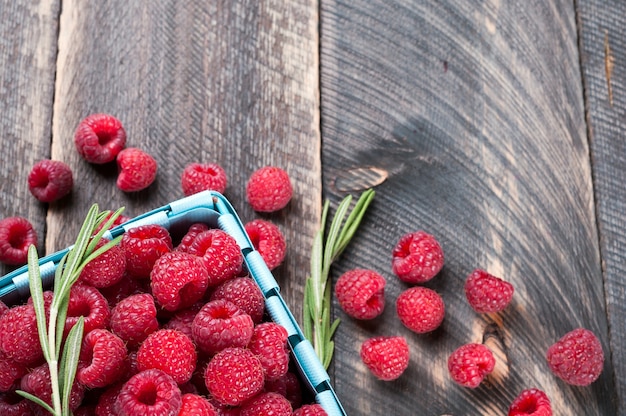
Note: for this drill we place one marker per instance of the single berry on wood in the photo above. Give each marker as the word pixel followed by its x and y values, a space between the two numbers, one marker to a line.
pixel 50 180
pixel 386 357
pixel 417 257
pixel 470 363
pixel 269 189
pixel 16 235
pixel 531 402
pixel 137 170
pixel 487 293
pixel 198 177
pixel 361 293
pixel 420 309
pixel 577 357
pixel 99 138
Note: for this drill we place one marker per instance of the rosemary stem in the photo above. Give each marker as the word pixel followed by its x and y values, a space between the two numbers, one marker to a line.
pixel 54 380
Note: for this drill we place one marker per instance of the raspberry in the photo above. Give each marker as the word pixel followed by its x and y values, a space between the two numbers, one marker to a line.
pixel 533 402
pixel 181 321
pixel 417 257
pixel 103 356
pixel 10 373
pixel 38 383
pixel 14 323
pixel 170 351
pixel 221 324
pixel 16 235
pixel 577 358
pixel 150 392
pixel 134 318
pixel 106 401
pixel 420 309
pixel 50 180
pixel 269 343
pixel 269 189
pixel 178 280
pixel 198 177
pixel 190 236
pixel 233 376
pixel 137 170
pixel 194 405
pixel 12 404
pixel 386 357
pixel 267 404
pixel 143 245
pixel 88 302
pixel 121 290
pixel 361 293
pixel 220 253
pixel 487 293
pixel 310 410
pixel 121 219
pixel 105 270
pixel 99 138
pixel 245 294
pixel 268 240
pixel 470 363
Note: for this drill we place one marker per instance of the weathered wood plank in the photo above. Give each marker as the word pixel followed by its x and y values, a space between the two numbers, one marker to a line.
pixel 603 52
pixel 474 116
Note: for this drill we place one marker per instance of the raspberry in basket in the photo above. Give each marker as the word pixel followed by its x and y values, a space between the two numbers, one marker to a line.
pixel 361 293
pixel 420 309
pixel 469 364
pixel 142 246
pixel 233 376
pixel 170 351
pixel 14 323
pixel 99 138
pixel 149 392
pixel 10 372
pixel 12 404
pixel 178 280
pixel 37 382
pixel 102 359
pixel 417 257
pixel 221 324
pixel 134 318
pixel 16 235
pixel 531 402
pixel 198 177
pixel 269 343
pixel 50 180
pixel 577 358
pixel 269 189
pixel 190 236
pixel 268 240
pixel 386 357
pixel 245 294
pixel 487 293
pixel 267 404
pixel 196 405
pixel 310 410
pixel 105 270
pixel 220 254
pixel 137 170
pixel 88 302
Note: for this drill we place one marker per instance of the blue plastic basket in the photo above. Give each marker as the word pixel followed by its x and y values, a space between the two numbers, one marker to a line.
pixel 213 209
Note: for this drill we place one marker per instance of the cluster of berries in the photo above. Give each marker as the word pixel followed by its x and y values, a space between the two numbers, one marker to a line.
pixel 577 357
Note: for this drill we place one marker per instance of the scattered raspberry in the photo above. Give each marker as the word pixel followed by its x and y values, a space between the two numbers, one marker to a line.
pixel 386 357
pixel 170 351
pixel 417 257
pixel 88 302
pixel 577 357
pixel 220 253
pixel 269 189
pixel 420 309
pixel 487 293
pixel 103 357
pixel 267 404
pixel 245 294
pixel 99 138
pixel 37 383
pixel 16 235
pixel 470 363
pixel 195 405
pixel 12 404
pixel 142 246
pixel 150 392
pixel 361 293
pixel 134 318
pixel 50 180
pixel 190 236
pixel 14 323
pixel 221 324
pixel 531 402
pixel 198 177
pixel 268 240
pixel 178 280
pixel 10 373
pixel 310 410
pixel 233 376
pixel 269 343
pixel 105 270
pixel 137 170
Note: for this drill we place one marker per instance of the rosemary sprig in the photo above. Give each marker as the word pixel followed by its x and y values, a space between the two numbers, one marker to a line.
pixel 63 366
pixel 316 317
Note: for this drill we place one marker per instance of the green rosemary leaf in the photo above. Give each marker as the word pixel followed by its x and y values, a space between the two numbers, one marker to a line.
pixel 307 327
pixel 104 226
pixel 333 232
pixel 37 400
pixel 333 327
pixel 60 324
pixel 353 221
pixel 69 363
pixel 36 291
pixel 316 274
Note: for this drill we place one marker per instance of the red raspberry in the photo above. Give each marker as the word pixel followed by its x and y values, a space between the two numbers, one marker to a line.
pixel 577 357
pixel 245 294
pixel 361 293
pixel 14 324
pixel 170 351
pixel 150 392
pixel 233 376
pixel 105 270
pixel 121 219
pixel 178 280
pixel 137 170
pixel 531 402
pixel 99 138
pixel 103 357
pixel 38 383
pixel 269 189
pixel 10 373
pixel 16 235
pixel 310 410
pixel 88 302
pixel 268 240
pixel 106 401
pixel 12 404
pixel 386 357
pixel 269 343
pixel 122 289
pixel 470 363
pixel 267 404
pixel 50 180
pixel 417 257
pixel 487 293
pixel 134 318
pixel 190 236
pixel 182 320
pixel 220 253
pixel 142 246
pixel 221 324
pixel 198 177
pixel 420 309
pixel 195 405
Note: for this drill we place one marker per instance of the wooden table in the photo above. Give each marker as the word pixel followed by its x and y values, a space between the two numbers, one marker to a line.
pixel 497 126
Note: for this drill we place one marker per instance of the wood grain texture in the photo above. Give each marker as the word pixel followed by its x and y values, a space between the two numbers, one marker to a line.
pixel 234 83
pixel 27 58
pixel 603 60
pixel 471 119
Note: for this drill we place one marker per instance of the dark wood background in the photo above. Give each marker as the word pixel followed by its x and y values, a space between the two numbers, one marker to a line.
pixel 496 126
